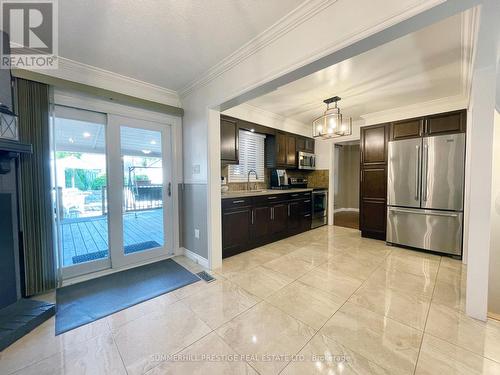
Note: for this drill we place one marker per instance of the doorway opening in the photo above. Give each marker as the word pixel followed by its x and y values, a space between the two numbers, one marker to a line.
pixel 346 185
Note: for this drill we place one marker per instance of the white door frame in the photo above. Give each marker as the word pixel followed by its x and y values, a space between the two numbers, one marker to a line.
pixel 115 183
pixel 174 123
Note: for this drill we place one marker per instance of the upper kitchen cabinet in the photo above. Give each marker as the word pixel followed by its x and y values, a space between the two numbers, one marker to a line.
pixel 305 144
pixel 412 128
pixel 374 144
pixel 291 150
pixel 442 123
pixel 229 140
pixel 281 150
pixel 446 123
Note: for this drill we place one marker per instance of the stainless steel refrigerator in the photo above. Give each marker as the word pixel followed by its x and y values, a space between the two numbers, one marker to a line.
pixel 425 189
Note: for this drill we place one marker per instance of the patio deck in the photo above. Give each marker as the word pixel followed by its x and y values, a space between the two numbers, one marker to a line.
pixel 85 236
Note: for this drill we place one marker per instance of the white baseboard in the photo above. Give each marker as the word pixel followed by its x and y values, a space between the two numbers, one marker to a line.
pixel 195 258
pixel 346 209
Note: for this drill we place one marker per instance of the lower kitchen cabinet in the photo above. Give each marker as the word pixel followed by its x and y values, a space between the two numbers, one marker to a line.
pixel 262 220
pixel 236 230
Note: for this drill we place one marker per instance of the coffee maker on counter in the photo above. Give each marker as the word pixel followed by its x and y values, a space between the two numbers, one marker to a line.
pixel 279 179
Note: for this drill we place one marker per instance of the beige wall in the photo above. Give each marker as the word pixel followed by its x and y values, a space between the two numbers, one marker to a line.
pixel 494 281
pixel 347 195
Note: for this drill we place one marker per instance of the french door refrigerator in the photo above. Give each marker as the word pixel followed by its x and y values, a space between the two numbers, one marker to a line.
pixel 425 188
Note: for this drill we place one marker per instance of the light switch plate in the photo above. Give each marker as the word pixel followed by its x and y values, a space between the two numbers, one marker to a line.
pixel 197 233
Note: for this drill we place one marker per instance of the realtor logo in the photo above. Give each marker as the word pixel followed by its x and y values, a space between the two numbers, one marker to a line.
pixel 32 29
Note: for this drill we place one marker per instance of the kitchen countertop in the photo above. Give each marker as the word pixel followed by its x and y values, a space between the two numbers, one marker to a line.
pixel 255 193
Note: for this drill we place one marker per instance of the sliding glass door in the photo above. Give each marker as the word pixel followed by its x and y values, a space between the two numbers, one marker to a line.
pixel 112 191
pixel 81 204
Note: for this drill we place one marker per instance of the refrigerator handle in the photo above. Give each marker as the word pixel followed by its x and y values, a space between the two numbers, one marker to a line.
pixel 417 174
pixel 424 173
pixel 423 212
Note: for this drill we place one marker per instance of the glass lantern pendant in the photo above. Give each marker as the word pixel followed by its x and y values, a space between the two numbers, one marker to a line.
pixel 332 124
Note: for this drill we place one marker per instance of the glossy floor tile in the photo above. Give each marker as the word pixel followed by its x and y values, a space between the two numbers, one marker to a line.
pixel 403 307
pixel 267 335
pixel 158 334
pixel 384 341
pixel 323 355
pixel 440 357
pixel 453 326
pixel 323 302
pixel 305 303
pixel 261 281
pixel 220 302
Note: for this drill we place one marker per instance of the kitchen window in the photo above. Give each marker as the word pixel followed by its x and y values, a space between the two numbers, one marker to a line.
pixel 251 156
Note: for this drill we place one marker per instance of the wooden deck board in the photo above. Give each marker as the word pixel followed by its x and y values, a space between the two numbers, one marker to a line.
pixel 84 236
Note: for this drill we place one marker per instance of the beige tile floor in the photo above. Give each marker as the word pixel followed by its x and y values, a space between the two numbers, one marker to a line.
pixel 323 302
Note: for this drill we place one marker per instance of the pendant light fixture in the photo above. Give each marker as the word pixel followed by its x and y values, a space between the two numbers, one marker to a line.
pixel 332 124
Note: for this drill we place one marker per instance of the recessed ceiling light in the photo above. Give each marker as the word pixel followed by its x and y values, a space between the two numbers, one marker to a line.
pixel 147 152
pixel 153 142
pixel 252 130
pixel 71 140
pixel 86 135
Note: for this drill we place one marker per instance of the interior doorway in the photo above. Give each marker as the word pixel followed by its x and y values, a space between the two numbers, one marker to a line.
pixel 346 186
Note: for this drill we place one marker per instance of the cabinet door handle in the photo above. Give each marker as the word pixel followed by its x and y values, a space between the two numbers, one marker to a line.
pixel 271 197
pixel 252 216
pixel 295 195
pixel 240 201
pixel 289 210
pixel 307 215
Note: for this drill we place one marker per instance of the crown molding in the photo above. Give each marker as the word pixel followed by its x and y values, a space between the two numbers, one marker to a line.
pixel 440 105
pixel 469 31
pixel 287 23
pixel 251 113
pixel 75 71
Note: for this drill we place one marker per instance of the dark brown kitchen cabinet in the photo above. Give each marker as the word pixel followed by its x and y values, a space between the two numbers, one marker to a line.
pixel 309 145
pixel 279 219
pixel 236 224
pixel 261 223
pixel 412 128
pixel 295 212
pixel 281 151
pixel 446 123
pixel 373 180
pixel 291 150
pixel 255 221
pixel 305 144
pixel 374 145
pixel 229 141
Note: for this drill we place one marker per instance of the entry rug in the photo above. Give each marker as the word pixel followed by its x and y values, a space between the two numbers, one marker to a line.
pixel 85 302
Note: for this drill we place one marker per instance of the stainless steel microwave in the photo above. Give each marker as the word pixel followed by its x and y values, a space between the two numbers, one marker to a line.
pixel 306 160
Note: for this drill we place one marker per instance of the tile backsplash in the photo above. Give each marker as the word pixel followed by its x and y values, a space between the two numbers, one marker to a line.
pixel 316 179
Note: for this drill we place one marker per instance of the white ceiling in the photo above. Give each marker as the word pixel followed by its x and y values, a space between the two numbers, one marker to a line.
pixel 169 43
pixel 420 67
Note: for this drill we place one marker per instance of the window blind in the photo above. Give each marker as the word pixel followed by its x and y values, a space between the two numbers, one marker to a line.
pixel 251 152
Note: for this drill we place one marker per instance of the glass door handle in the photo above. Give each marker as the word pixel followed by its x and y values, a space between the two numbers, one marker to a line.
pixel 169 189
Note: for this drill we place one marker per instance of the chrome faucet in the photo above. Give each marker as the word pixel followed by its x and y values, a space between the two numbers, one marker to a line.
pixel 248 177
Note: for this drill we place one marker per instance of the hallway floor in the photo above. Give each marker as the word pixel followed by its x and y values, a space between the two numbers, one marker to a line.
pixel 325 301
pixel 346 219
